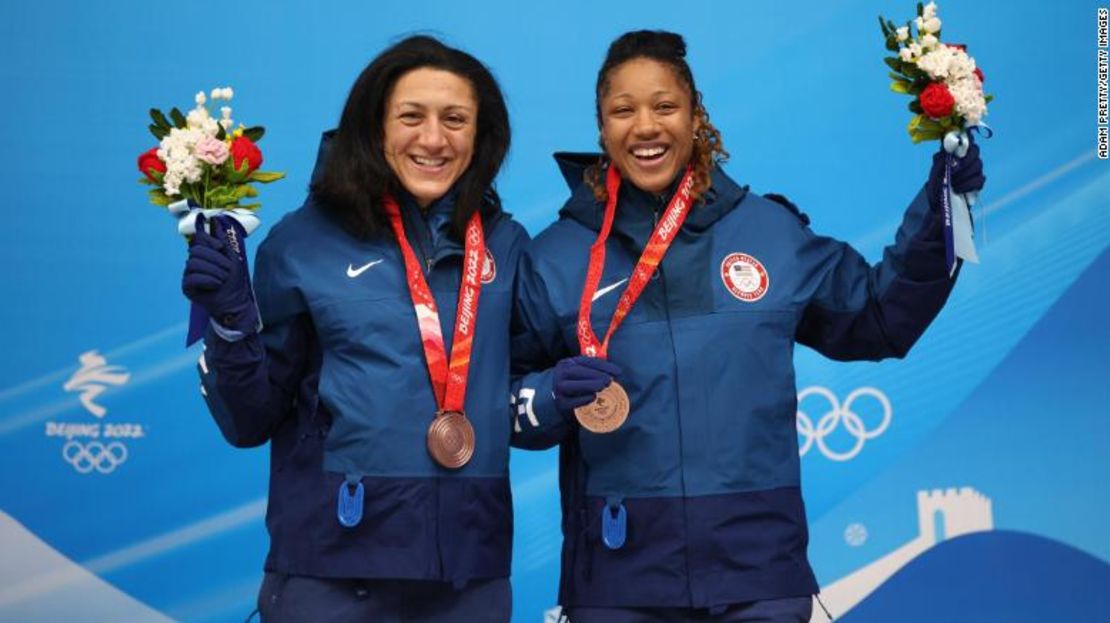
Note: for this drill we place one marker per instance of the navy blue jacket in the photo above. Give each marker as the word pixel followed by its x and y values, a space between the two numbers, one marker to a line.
pixel 337 383
pixel 707 465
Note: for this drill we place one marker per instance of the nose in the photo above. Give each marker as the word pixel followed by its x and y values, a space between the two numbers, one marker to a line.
pixel 645 124
pixel 433 135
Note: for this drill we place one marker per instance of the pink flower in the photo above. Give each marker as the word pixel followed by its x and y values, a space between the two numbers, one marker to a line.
pixel 211 150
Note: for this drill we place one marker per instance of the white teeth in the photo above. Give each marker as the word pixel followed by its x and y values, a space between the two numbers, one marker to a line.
pixel 648 152
pixel 429 162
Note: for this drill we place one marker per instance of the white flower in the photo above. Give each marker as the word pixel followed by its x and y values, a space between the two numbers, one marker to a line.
pixel 929 42
pixel 937 63
pixel 200 98
pixel 228 93
pixel 216 93
pixel 903 33
pixel 930 10
pixel 920 23
pixel 932 25
pixel 196 117
pixel 176 150
pixel 199 119
pixel 915 49
pixel 226 124
pixel 225 112
pixel 949 62
pixel 970 102
pixel 906 54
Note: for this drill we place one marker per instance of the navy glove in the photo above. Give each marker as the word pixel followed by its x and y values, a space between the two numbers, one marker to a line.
pixel 967 174
pixel 215 279
pixel 578 380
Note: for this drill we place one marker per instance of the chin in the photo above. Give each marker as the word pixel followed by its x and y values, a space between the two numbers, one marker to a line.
pixel 428 192
pixel 654 183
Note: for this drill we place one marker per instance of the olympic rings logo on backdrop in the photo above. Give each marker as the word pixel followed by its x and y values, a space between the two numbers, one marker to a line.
pixel 104 458
pixel 838 415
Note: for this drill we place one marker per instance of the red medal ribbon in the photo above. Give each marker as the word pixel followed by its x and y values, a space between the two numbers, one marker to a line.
pixel 660 241
pixel 448 379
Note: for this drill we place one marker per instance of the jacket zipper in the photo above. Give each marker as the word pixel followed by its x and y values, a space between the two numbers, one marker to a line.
pixel 681 455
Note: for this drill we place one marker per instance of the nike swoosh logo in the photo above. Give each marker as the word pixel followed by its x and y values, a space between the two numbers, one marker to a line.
pixel 353 272
pixel 607 289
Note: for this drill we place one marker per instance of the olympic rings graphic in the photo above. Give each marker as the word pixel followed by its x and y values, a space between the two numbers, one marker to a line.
pixel 104 458
pixel 836 414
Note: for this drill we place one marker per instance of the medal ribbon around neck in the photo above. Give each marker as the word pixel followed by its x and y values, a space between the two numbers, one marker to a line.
pixel 448 379
pixel 665 232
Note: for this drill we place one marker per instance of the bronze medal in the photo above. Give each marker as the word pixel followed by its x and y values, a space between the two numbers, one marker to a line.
pixel 607 412
pixel 451 439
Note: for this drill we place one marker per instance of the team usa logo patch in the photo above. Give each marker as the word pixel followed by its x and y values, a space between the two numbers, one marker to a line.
pixel 745 277
pixel 489 268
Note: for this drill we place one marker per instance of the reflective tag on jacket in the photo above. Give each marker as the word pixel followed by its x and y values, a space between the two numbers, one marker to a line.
pixel 614 525
pixel 350 504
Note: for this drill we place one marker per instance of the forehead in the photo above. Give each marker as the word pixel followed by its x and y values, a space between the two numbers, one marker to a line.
pixel 432 88
pixel 643 76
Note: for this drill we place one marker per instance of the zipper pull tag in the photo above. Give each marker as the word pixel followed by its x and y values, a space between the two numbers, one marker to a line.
pixel 351 495
pixel 614 523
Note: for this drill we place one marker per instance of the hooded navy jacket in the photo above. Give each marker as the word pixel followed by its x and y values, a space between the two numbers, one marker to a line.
pixel 337 383
pixel 706 467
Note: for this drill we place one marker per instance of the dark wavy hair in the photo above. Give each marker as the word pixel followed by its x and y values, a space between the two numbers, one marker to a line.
pixel 356 175
pixel 670 49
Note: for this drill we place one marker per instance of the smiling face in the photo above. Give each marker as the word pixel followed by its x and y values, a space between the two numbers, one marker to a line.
pixel 431 119
pixel 647 123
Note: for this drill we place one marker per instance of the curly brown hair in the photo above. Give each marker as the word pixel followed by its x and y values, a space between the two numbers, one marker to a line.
pixel 670 49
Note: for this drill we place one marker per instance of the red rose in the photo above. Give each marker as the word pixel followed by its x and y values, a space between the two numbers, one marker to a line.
pixel 979 72
pixel 242 148
pixel 936 101
pixel 149 160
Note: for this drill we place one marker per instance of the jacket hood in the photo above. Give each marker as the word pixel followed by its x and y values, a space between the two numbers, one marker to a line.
pixel 723 196
pixel 321 155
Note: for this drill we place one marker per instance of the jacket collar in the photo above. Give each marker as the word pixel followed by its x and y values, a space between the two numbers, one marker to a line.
pixel 638 210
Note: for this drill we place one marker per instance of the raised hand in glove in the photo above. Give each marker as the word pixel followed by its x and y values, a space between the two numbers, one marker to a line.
pixel 578 379
pixel 967 174
pixel 215 277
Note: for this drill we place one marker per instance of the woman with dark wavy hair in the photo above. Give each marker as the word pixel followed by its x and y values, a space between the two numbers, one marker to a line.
pixel 376 362
pixel 679 467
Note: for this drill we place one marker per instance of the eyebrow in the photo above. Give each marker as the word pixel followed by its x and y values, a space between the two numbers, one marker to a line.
pixel 464 107
pixel 656 93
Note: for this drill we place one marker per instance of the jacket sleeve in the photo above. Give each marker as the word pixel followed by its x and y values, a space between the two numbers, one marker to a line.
pixel 250 383
pixel 537 344
pixel 858 311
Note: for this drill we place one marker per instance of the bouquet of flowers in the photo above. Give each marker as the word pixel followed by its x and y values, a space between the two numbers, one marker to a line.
pixel 202 170
pixel 204 165
pixel 948 102
pixel 946 85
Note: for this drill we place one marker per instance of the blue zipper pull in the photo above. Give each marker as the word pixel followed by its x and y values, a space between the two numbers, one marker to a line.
pixel 614 523
pixel 350 501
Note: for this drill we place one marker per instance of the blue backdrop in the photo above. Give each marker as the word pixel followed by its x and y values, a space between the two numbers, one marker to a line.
pixel 972 486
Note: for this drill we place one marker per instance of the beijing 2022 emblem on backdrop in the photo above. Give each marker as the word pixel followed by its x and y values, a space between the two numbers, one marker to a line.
pixel 95 446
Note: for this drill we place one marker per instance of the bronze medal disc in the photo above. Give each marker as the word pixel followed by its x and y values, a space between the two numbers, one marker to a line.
pixel 451 439
pixel 607 412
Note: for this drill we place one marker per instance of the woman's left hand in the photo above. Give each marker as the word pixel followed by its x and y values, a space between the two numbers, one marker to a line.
pixel 578 380
pixel 967 174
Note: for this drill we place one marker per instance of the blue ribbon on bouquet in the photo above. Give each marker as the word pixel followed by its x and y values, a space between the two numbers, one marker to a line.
pixel 238 224
pixel 958 228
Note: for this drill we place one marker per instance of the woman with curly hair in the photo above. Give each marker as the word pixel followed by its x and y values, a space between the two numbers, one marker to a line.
pixel 679 467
